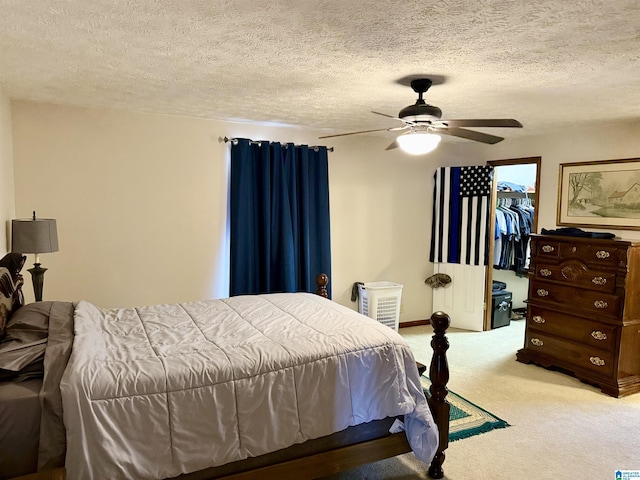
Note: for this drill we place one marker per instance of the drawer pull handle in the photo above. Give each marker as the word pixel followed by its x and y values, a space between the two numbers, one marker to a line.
pixel 545 272
pixel 602 254
pixel 600 304
pixel 538 319
pixel 548 249
pixel 542 292
pixel 599 281
pixel 597 361
pixel 537 342
pixel 598 335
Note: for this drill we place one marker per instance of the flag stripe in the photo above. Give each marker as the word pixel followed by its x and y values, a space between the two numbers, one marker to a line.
pixel 435 223
pixel 446 219
pixel 441 195
pixel 466 226
pixel 482 257
pixel 479 231
pixel 454 216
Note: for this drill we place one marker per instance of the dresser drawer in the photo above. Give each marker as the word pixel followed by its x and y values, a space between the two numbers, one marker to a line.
pixel 579 330
pixel 575 355
pixel 577 274
pixel 545 248
pixel 568 299
pixel 593 254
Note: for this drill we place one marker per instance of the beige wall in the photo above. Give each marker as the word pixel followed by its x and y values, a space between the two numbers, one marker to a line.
pixel 570 145
pixel 381 216
pixel 604 142
pixel 141 200
pixel 141 203
pixel 7 200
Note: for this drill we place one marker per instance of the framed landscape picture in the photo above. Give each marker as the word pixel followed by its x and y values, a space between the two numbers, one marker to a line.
pixel 602 194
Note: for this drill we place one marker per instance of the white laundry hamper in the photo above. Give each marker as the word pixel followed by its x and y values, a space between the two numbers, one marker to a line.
pixel 381 301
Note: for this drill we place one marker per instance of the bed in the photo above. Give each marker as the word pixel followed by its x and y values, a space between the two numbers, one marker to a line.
pixel 297 400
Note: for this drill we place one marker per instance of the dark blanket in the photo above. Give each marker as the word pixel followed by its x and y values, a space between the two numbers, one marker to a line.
pixel 52 448
pixel 33 356
pixel 576 232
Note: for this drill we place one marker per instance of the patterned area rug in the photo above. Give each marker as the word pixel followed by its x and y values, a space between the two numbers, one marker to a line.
pixel 466 419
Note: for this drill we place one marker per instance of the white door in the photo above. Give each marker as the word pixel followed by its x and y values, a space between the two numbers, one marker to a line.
pixel 463 298
pixel 462 206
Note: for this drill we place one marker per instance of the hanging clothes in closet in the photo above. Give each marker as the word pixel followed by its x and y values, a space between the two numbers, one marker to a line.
pixel 513 228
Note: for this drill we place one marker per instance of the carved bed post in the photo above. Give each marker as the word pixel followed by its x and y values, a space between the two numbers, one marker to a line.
pixel 321 282
pixel 439 374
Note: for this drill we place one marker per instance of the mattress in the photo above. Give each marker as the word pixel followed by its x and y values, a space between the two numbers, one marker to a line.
pixel 218 381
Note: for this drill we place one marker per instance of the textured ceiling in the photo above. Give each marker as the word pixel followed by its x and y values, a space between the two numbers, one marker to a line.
pixel 327 63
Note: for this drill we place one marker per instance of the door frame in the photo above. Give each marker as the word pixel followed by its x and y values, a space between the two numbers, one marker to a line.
pixel 492 218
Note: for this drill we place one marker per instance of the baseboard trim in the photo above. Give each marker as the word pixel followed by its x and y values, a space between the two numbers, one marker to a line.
pixel 414 323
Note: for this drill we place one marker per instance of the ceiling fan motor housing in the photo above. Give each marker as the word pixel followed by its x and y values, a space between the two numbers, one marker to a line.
pixel 420 112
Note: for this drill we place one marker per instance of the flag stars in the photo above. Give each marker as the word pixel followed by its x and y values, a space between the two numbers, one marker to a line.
pixel 475 181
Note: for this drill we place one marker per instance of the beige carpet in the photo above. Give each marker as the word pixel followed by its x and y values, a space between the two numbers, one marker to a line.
pixel 561 429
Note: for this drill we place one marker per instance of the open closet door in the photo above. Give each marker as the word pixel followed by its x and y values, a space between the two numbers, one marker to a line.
pixel 516 188
pixel 460 242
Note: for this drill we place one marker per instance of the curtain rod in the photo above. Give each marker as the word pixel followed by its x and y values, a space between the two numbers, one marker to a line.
pixel 258 142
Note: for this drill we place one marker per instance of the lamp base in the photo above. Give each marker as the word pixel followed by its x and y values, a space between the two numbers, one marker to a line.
pixel 37 277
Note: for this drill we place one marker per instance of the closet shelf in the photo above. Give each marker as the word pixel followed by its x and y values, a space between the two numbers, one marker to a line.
pixel 503 194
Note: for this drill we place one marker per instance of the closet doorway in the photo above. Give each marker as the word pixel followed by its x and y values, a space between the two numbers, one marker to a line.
pixel 516 185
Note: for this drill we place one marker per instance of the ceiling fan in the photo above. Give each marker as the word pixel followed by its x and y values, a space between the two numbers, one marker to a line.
pixel 423 125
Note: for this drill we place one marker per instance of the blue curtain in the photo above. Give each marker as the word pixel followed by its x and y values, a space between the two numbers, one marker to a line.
pixel 279 219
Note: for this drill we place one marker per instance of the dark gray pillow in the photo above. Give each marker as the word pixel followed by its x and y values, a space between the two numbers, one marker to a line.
pixel 25 339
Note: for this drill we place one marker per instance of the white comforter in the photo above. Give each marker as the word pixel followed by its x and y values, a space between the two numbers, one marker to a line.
pixel 156 391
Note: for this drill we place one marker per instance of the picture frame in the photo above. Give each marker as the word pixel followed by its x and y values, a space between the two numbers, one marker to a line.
pixel 600 194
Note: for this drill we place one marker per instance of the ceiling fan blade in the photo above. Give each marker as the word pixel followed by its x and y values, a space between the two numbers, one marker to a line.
pixel 469 135
pixel 384 115
pixel 392 145
pixel 495 122
pixel 355 133
pixel 403 120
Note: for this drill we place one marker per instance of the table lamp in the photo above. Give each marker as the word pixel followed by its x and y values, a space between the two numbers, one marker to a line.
pixel 35 235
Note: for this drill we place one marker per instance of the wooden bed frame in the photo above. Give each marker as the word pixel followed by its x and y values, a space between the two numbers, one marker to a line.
pixel 338 459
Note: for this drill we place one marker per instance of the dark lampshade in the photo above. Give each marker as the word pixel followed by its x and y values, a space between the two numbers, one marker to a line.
pixel 34 236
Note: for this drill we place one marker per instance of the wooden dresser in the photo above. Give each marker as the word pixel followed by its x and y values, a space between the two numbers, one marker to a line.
pixel 583 312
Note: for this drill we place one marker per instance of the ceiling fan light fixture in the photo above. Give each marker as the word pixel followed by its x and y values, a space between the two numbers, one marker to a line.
pixel 418 143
